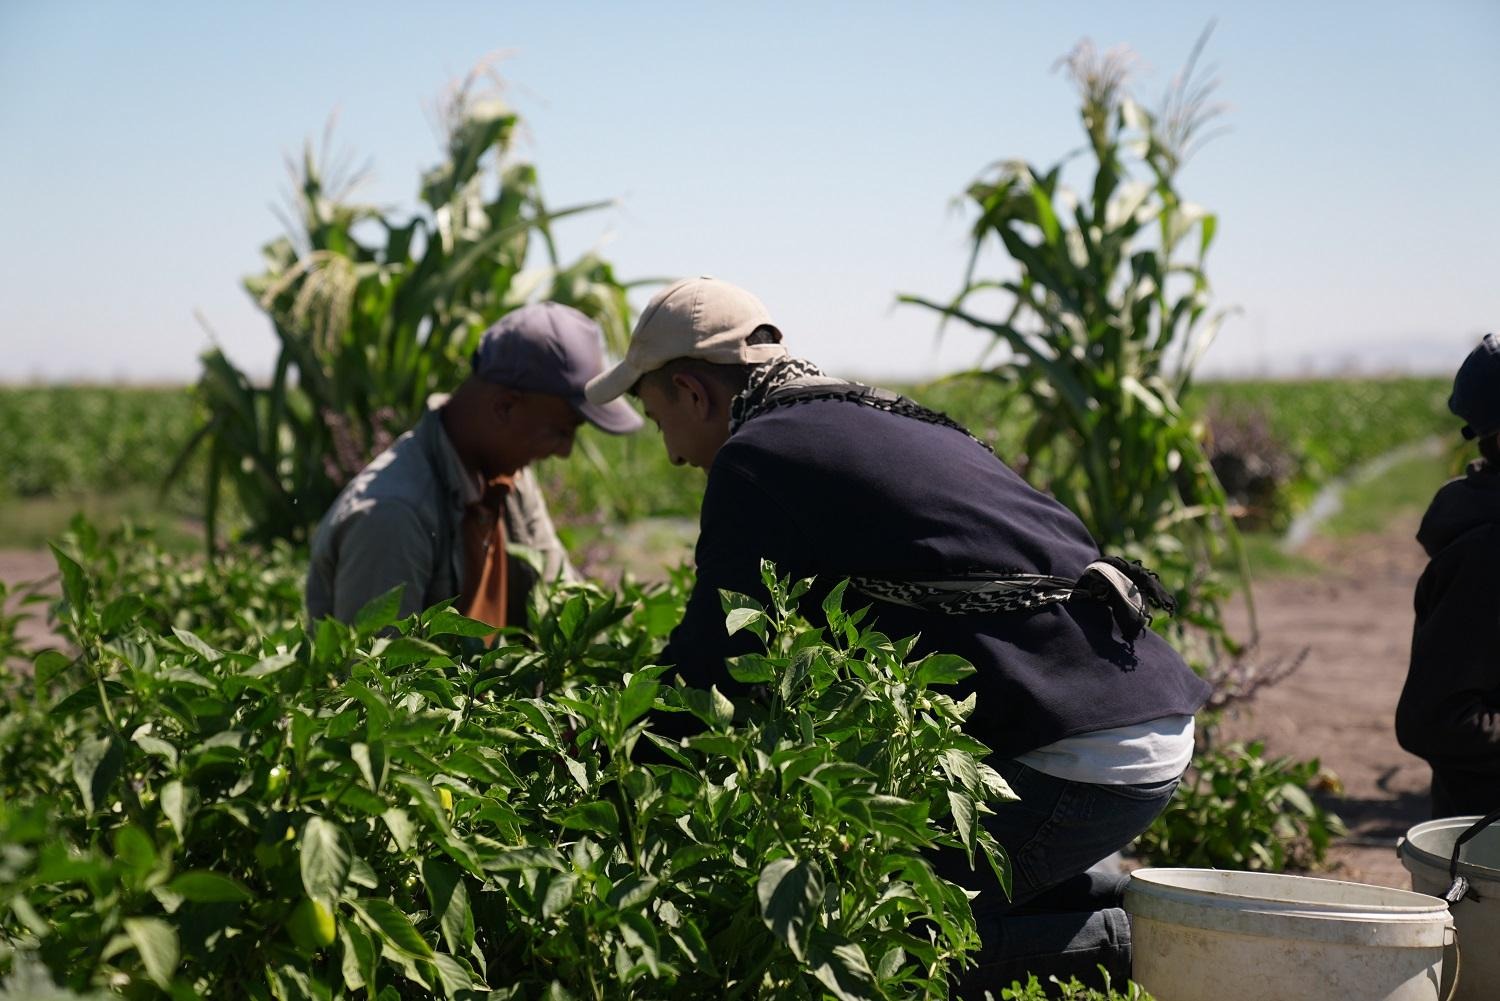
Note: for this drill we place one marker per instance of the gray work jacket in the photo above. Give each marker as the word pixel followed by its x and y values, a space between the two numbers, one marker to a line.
pixel 400 522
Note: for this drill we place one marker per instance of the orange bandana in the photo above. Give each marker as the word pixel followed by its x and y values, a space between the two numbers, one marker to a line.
pixel 485 564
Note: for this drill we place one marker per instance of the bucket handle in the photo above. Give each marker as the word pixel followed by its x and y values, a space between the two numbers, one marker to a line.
pixel 1458 958
pixel 1459 887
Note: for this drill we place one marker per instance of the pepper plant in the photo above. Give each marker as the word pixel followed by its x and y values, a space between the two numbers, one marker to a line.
pixel 1237 809
pixel 392 809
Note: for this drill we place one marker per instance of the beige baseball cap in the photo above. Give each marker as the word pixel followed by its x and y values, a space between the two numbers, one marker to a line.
pixel 700 318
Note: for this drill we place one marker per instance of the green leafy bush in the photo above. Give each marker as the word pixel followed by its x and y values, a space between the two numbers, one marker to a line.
pixel 1254 465
pixel 18 603
pixel 244 594
pixel 1237 809
pixel 1033 990
pixel 392 809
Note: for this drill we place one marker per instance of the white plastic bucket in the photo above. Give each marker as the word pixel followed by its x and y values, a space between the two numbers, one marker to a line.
pixel 1427 852
pixel 1206 935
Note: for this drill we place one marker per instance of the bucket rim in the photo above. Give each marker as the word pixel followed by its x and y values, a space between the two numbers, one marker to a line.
pixel 1416 906
pixel 1409 850
pixel 1405 920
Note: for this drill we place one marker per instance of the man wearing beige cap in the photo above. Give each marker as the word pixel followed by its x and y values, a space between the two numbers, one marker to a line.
pixel 437 511
pixel 1088 712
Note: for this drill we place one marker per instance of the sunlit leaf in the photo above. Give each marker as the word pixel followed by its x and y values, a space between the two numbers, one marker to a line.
pixel 205 887
pixel 791 896
pixel 156 941
pixel 393 927
pixel 324 859
pixel 96 765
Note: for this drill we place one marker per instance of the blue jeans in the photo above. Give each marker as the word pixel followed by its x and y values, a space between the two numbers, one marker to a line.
pixel 1063 918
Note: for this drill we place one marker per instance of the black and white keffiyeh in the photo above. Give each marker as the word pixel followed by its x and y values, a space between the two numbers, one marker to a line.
pixel 786 382
pixel 765 379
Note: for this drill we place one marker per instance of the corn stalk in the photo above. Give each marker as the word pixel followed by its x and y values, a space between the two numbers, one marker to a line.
pixel 1109 312
pixel 375 312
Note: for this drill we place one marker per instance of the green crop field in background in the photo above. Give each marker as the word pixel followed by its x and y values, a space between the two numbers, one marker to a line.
pixel 1329 425
pixel 107 450
pixel 57 441
pixel 103 450
pixel 1333 425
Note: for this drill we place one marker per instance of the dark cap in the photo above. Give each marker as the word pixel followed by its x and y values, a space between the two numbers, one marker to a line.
pixel 1476 389
pixel 551 348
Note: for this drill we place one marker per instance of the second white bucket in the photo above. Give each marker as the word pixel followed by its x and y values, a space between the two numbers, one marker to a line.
pixel 1427 853
pixel 1206 935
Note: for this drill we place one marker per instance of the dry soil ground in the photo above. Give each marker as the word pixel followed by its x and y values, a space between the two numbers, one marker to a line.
pixel 1354 618
pixel 18 566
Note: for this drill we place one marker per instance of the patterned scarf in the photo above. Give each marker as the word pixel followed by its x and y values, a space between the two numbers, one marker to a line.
pixel 789 381
pixel 1129 590
pixel 765 379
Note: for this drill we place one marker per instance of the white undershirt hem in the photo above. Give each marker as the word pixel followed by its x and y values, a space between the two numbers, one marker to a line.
pixel 1141 754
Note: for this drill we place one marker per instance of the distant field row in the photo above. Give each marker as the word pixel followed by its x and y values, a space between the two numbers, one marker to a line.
pixel 72 443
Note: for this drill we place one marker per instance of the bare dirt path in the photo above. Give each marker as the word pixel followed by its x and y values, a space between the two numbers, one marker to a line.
pixel 25 566
pixel 1355 619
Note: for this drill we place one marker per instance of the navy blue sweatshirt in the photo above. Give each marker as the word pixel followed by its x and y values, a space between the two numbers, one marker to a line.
pixel 1449 711
pixel 836 489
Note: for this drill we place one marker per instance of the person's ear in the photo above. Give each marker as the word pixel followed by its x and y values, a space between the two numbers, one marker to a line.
pixel 503 401
pixel 695 392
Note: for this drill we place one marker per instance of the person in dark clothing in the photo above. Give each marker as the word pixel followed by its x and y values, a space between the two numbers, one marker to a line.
pixel 1449 713
pixel 1089 713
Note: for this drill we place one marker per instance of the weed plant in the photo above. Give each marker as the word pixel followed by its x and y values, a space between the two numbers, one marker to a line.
pixel 1034 990
pixel 1237 809
pixel 1331 426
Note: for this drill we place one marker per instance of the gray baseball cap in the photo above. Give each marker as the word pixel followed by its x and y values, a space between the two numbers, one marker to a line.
pixel 551 348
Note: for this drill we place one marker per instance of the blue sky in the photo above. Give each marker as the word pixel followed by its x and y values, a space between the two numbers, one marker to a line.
pixel 810 152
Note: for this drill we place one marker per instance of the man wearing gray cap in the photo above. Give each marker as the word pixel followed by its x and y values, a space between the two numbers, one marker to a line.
pixel 1088 712
pixel 436 511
